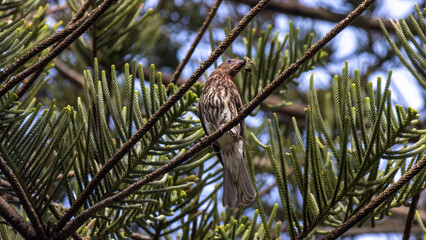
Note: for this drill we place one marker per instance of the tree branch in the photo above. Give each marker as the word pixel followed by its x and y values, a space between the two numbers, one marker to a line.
pixel 27 84
pixel 77 28
pixel 297 9
pixel 388 225
pixel 77 221
pixel 402 212
pixel 40 47
pixel 207 141
pixel 16 221
pixel 26 204
pixel 390 191
pixel 74 76
pixel 410 216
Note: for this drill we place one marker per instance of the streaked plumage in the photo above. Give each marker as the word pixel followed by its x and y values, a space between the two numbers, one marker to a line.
pixel 218 104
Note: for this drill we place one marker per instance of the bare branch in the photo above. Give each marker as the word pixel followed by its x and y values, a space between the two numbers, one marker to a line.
pixel 410 217
pixel 78 79
pixel 402 212
pixel 74 76
pixel 297 9
pixel 138 236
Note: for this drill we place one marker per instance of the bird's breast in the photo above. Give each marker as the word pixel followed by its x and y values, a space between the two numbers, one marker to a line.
pixel 219 109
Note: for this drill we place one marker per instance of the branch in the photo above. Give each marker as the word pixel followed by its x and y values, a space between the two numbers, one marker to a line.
pixel 78 29
pixel 13 218
pixel 296 110
pixel 27 83
pixel 26 204
pixel 57 214
pixel 388 225
pixel 410 217
pixel 389 192
pixel 402 212
pixel 76 222
pixel 297 9
pixel 40 47
pixel 204 142
pixel 74 76
pixel 197 39
pixel 138 236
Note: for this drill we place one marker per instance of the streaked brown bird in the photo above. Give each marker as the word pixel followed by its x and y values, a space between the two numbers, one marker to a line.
pixel 218 104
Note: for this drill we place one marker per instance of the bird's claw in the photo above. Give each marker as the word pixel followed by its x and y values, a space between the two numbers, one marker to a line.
pixel 204 138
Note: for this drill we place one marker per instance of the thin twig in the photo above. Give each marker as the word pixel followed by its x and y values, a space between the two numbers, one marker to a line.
pixel 80 29
pixel 26 204
pixel 410 217
pixel 248 108
pixel 138 236
pixel 389 192
pixel 78 80
pixel 197 39
pixel 267 189
pixel 74 77
pixel 72 225
pixel 13 218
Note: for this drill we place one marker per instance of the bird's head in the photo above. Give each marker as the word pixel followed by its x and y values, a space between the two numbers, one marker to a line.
pixel 232 66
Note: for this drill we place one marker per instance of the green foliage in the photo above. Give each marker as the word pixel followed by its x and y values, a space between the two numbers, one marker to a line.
pixel 10 111
pixel 113 32
pixel 172 134
pixel 412 33
pixel 346 154
pixel 18 35
pixel 46 148
pixel 270 57
pixel 38 150
pixel 342 171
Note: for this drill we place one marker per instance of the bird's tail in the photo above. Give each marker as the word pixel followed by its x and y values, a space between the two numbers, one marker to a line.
pixel 237 187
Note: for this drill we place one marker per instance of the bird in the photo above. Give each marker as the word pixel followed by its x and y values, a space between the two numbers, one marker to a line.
pixel 218 104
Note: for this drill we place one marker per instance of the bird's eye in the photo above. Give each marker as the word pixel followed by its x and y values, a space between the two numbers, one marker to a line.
pixel 229 61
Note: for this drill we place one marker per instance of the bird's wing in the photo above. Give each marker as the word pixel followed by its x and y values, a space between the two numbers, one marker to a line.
pixel 200 115
pixel 215 146
pixel 239 104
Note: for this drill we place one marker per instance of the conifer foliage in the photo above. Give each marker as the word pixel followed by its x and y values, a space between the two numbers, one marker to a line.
pixel 119 152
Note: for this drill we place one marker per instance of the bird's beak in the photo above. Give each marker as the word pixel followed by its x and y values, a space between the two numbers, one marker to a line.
pixel 236 66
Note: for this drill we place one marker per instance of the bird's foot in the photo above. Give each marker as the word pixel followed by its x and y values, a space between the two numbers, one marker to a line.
pixel 203 139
